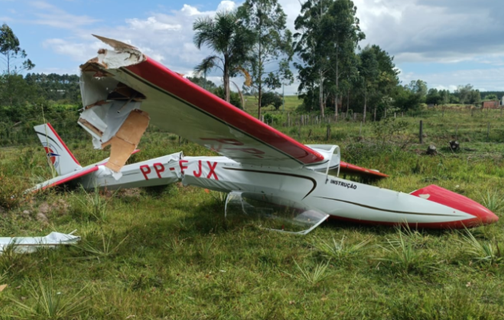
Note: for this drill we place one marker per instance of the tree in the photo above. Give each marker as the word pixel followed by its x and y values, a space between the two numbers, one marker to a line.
pixel 271 98
pixel 203 82
pixel 225 36
pixel 386 82
pixel 11 51
pixel 463 93
pixel 313 49
pixel 433 97
pixel 475 97
pixel 266 19
pixel 419 88
pixel 341 27
pixel 368 72
pixel 491 97
pixel 235 98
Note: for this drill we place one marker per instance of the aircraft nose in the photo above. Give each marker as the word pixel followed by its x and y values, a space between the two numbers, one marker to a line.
pixel 456 201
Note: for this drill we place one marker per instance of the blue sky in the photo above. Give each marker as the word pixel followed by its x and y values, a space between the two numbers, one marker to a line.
pixel 443 42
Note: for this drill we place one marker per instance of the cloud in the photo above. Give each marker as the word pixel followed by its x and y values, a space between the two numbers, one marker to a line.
pixel 50 15
pixel 482 79
pixel 166 37
pixel 431 30
pixel 79 51
pixel 151 23
pixel 414 31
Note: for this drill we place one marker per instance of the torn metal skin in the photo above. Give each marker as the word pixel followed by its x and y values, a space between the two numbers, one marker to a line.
pixel 112 112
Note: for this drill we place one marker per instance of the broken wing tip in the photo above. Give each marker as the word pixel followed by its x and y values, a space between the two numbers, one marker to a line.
pixel 116 44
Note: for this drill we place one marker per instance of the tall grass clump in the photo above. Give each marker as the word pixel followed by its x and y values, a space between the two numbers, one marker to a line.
pixel 106 246
pixel 481 252
pixel 46 302
pixel 90 205
pixel 404 254
pixel 492 200
pixel 340 250
pixel 313 275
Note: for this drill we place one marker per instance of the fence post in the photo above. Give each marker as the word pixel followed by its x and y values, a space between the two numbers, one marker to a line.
pixel 421 132
pixel 328 132
pixel 488 131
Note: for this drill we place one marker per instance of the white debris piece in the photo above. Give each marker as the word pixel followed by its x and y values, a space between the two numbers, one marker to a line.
pixel 30 244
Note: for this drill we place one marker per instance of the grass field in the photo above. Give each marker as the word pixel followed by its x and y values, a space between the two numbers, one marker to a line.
pixel 169 253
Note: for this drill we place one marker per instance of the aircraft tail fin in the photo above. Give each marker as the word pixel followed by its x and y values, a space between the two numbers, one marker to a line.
pixel 58 154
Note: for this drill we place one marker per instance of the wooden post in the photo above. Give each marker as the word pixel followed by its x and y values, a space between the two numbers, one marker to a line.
pixel 328 132
pixel 360 130
pixel 488 131
pixel 421 132
pixel 374 114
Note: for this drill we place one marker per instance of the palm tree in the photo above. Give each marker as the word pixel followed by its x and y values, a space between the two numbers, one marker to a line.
pixel 229 39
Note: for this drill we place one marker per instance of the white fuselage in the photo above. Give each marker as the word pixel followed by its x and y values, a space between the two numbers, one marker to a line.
pixel 328 194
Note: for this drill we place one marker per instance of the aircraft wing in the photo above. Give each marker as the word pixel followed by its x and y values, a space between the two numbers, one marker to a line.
pixel 115 78
pixel 352 169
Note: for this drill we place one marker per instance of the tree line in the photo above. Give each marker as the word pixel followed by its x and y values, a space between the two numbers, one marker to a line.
pixel 335 74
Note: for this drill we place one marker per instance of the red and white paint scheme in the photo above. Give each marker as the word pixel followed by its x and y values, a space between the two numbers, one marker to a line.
pixel 153 172
pixel 257 162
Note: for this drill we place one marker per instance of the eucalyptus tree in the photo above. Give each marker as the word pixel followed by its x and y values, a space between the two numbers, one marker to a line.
pixel 312 48
pixel 327 37
pixel 340 27
pixel 269 57
pixel 228 39
pixel 368 74
pixel 387 79
pixel 11 51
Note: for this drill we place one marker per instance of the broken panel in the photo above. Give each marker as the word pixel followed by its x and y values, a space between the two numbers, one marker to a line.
pixel 272 213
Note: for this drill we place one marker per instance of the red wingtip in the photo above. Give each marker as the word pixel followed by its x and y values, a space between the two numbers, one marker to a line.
pixel 352 168
pixel 456 201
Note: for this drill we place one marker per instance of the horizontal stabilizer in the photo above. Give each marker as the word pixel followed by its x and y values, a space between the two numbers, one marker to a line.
pixel 351 169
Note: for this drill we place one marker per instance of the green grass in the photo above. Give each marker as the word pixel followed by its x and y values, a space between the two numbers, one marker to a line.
pixel 169 253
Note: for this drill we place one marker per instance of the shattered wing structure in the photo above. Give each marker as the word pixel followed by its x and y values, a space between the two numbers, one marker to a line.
pixel 117 82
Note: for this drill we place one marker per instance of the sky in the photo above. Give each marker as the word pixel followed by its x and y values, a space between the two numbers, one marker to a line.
pixel 446 43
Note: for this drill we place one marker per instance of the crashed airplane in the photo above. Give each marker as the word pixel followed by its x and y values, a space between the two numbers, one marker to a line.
pixel 264 171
